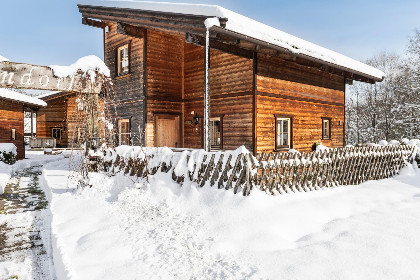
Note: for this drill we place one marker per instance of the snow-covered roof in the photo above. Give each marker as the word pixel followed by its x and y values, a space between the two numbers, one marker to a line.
pixel 251 29
pixel 48 94
pixel 17 96
pixel 2 58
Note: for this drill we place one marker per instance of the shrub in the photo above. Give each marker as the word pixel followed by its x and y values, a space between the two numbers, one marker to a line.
pixel 7 157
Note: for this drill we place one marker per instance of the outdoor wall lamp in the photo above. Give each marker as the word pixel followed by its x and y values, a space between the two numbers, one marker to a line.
pixel 196 118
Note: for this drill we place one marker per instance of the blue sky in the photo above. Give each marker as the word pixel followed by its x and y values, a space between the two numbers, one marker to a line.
pixel 49 32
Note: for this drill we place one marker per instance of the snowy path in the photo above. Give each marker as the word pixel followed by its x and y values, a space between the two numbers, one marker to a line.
pixel 23 230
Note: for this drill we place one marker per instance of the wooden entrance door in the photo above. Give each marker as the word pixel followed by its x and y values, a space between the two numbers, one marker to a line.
pixel 167 131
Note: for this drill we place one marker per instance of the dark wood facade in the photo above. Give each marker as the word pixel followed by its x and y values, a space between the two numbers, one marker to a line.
pixel 249 84
pixel 61 113
pixel 12 117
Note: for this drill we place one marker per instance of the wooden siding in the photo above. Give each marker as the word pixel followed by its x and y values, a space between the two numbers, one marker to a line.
pixel 305 93
pixel 11 116
pixel 129 89
pixel 231 84
pixel 237 122
pixel 165 59
pixel 53 115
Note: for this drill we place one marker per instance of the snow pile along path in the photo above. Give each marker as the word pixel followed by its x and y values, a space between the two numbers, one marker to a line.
pixel 125 228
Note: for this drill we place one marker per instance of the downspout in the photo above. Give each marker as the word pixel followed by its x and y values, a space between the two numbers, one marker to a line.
pixel 210 22
pixel 207 94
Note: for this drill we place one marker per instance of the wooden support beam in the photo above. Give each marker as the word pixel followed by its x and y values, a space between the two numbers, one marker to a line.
pixel 130 30
pixel 94 23
pixel 216 44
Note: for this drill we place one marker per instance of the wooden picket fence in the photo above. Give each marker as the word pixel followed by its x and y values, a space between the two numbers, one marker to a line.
pixel 228 170
pixel 286 172
pixel 274 173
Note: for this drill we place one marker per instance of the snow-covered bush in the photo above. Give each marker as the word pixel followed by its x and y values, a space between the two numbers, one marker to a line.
pixel 405 141
pixel 8 153
pixel 394 143
pixel 383 143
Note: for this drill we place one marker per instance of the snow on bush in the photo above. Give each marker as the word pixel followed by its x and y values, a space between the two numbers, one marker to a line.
pixel 383 143
pixel 8 153
pixel 405 141
pixel 394 143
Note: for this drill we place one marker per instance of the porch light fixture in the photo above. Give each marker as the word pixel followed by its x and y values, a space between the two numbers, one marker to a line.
pixel 196 118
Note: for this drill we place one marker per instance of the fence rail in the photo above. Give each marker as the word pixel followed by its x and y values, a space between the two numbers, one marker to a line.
pixel 275 173
pixel 42 142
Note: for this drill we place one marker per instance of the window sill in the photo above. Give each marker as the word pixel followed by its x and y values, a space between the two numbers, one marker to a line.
pixel 124 76
pixel 325 138
pixel 282 150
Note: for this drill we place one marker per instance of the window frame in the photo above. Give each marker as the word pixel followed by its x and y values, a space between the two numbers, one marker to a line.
pixel 117 59
pixel 324 119
pixel 220 119
pixel 57 128
pixel 120 121
pixel 283 117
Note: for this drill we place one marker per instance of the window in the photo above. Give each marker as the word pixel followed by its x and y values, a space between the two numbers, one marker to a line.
pixel 123 60
pixel 124 131
pixel 283 133
pixel 216 134
pixel 80 105
pixel 79 135
pixel 56 133
pixel 326 128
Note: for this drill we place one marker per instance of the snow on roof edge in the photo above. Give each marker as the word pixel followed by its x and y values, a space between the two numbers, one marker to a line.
pixel 47 94
pixel 17 96
pixel 2 58
pixel 251 28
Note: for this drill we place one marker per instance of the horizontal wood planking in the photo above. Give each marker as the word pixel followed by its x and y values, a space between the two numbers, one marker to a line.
pixel 129 89
pixel 164 64
pixel 11 116
pixel 231 88
pixel 307 94
pixel 165 54
pixel 271 70
pixel 237 122
pixel 307 123
pixel 53 115
pixel 228 73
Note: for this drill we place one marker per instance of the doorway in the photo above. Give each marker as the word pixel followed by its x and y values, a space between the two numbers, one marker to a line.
pixel 167 131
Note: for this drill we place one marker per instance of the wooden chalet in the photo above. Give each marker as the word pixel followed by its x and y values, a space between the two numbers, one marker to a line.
pixel 12 107
pixel 267 90
pixel 63 119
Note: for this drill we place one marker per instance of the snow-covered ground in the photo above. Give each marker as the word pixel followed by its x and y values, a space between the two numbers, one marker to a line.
pixel 125 228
